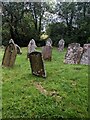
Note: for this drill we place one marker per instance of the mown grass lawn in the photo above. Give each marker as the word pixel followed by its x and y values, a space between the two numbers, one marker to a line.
pixel 67 86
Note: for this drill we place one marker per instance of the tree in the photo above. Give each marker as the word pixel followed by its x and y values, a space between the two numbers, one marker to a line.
pixel 12 15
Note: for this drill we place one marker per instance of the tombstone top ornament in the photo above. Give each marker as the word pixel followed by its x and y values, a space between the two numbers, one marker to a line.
pixel 31 46
pixel 11 41
pixel 9 54
pixel 37 64
pixel 73 54
pixel 49 42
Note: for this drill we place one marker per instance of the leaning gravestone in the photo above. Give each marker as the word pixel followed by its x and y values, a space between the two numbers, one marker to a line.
pixel 61 45
pixel 10 54
pixel 85 59
pixel 47 50
pixel 37 64
pixel 74 53
pixel 31 47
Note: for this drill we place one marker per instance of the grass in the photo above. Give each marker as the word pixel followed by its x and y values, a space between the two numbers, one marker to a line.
pixel 69 83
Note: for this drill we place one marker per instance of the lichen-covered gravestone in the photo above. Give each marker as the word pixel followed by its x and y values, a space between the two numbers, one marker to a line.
pixel 9 54
pixel 47 50
pixel 74 53
pixel 61 45
pixel 31 46
pixel 37 64
pixel 85 59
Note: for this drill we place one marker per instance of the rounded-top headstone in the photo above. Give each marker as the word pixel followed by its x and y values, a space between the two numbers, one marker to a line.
pixel 49 42
pixel 61 45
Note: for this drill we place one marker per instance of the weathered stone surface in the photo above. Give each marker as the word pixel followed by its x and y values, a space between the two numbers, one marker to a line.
pixel 47 52
pixel 9 54
pixel 74 53
pixel 61 45
pixel 18 49
pixel 31 47
pixel 86 55
pixel 37 64
pixel 49 42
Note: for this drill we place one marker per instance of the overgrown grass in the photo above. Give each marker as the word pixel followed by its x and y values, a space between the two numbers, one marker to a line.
pixel 21 98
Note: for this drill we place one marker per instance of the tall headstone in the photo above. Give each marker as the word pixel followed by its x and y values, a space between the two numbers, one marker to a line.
pixel 85 59
pixel 37 64
pixel 9 54
pixel 47 50
pixel 31 46
pixel 74 53
pixel 61 45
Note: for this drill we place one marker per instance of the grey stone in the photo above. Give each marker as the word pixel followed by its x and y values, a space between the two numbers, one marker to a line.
pixel 86 55
pixel 73 54
pixel 61 45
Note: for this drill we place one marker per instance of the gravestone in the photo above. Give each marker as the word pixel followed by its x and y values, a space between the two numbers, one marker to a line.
pixel 61 45
pixel 74 53
pixel 31 47
pixel 9 54
pixel 47 52
pixel 49 42
pixel 18 49
pixel 85 59
pixel 37 64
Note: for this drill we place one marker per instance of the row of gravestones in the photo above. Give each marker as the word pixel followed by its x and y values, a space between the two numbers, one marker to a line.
pixel 75 55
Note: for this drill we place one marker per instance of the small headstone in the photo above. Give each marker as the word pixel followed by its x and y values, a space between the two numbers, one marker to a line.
pixel 18 49
pixel 49 42
pixel 74 53
pixel 31 46
pixel 47 52
pixel 37 64
pixel 10 54
pixel 61 45
pixel 85 59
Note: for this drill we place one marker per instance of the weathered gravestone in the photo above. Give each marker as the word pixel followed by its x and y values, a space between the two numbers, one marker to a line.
pixel 47 50
pixel 74 53
pixel 49 42
pixel 37 64
pixel 9 55
pixel 61 45
pixel 85 59
pixel 18 49
pixel 31 47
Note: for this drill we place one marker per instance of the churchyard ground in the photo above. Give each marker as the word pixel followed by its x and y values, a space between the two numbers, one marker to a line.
pixel 63 93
